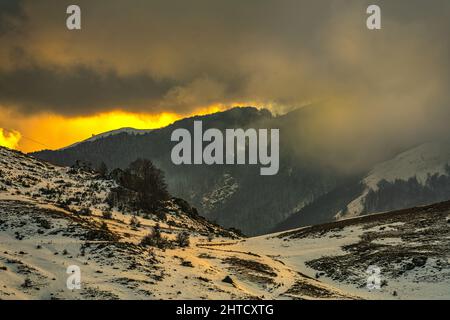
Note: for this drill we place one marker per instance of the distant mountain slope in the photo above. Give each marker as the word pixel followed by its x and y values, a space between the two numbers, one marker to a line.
pixel 418 176
pixel 233 196
pixel 324 208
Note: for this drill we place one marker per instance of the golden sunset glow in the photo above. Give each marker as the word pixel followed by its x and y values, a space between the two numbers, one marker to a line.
pixel 53 132
pixel 9 139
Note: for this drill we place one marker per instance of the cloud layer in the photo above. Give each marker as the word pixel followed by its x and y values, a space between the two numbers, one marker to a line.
pixel 154 55
pixel 178 56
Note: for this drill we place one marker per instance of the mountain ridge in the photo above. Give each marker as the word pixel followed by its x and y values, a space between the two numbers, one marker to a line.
pixel 300 181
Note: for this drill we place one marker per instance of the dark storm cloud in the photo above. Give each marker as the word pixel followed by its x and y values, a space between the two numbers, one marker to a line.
pixel 211 51
pixel 11 14
pixel 78 90
pixel 177 55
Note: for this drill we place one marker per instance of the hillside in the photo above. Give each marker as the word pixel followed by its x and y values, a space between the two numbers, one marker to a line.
pixel 411 248
pixel 53 217
pixel 39 239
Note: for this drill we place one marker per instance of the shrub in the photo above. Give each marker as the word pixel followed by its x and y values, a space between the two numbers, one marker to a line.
pixel 45 224
pixel 85 212
pixel 155 239
pixel 183 239
pixel 186 263
pixel 27 283
pixel 107 214
pixel 102 170
pixel 161 215
pixel 104 226
pixel 149 240
pixel 134 222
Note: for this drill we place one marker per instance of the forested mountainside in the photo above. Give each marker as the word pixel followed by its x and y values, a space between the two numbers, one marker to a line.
pixel 233 196
pixel 418 176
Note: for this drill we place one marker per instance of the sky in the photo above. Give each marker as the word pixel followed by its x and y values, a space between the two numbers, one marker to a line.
pixel 147 63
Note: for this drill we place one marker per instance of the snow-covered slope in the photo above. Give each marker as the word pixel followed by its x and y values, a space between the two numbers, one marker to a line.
pixel 416 166
pixel 421 162
pixel 54 217
pixel 407 250
pixel 25 178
